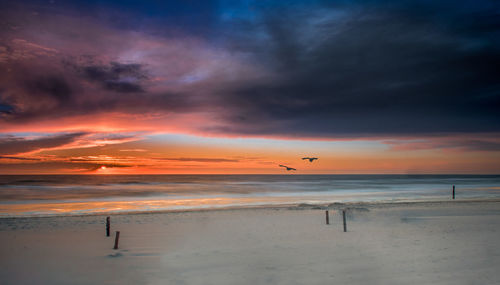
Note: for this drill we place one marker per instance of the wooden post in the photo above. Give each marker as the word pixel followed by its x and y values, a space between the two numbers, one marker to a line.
pixel 343 218
pixel 108 225
pixel 453 192
pixel 117 237
pixel 327 218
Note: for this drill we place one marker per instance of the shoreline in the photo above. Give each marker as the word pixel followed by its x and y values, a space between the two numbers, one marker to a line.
pixel 290 206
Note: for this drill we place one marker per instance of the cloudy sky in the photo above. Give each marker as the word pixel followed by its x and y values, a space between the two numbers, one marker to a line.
pixel 242 86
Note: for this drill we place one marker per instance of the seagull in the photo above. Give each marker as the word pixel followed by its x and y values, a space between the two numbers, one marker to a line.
pixel 287 168
pixel 311 159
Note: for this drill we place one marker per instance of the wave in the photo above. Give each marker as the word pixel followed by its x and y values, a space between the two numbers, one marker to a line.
pixel 181 191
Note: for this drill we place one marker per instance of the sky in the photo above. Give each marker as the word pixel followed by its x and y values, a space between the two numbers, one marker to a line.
pixel 240 87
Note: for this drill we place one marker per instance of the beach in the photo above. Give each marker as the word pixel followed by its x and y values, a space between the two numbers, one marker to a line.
pixel 455 242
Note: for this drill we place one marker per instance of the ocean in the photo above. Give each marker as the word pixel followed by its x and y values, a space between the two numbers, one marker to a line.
pixel 47 195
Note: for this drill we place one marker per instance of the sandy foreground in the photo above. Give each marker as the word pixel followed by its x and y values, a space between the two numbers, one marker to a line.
pixel 414 243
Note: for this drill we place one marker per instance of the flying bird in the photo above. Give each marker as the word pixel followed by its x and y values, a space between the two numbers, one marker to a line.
pixel 311 159
pixel 287 168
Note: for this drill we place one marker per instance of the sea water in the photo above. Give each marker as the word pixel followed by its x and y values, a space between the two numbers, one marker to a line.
pixel 41 195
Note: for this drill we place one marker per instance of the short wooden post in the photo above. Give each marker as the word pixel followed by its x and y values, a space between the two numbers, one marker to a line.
pixel 343 218
pixel 327 218
pixel 117 238
pixel 108 226
pixel 453 192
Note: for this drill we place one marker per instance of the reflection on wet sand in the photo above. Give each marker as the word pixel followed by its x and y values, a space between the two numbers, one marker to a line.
pixel 95 207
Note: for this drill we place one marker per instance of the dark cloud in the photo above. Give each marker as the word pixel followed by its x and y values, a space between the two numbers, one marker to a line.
pixel 6 109
pixel 10 145
pixel 344 69
pixel 55 167
pixel 50 89
pixel 195 159
pixel 95 166
pixel 124 87
pixel 19 158
pixel 117 76
pixel 460 144
pixel 479 145
pixel 370 68
pixel 54 86
pixel 113 137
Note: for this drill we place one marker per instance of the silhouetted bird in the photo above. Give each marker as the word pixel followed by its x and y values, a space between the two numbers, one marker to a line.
pixel 287 168
pixel 311 159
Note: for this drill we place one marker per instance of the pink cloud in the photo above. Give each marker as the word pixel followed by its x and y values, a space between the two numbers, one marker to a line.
pixel 84 73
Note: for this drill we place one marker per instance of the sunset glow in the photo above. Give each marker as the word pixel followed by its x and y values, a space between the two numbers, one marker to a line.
pixel 157 92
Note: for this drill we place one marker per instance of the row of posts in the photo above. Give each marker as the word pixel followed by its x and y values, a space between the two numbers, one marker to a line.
pixel 117 233
pixel 343 212
pixel 343 218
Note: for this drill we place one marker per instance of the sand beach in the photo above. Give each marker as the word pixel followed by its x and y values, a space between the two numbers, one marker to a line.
pixel 402 243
